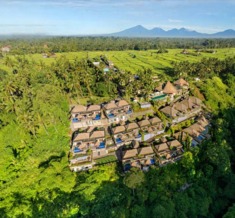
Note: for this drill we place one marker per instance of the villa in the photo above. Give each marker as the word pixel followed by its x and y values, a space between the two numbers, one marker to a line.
pixel 183 110
pixel 91 112
pixel 138 157
pixel 123 135
pixel 117 111
pixel 170 151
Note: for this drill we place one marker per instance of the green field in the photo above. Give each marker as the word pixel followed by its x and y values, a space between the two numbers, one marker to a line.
pixel 142 59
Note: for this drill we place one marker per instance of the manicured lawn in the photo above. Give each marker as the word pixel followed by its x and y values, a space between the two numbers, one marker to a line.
pixel 107 159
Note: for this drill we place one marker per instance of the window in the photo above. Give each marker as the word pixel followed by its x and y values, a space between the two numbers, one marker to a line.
pixel 98 153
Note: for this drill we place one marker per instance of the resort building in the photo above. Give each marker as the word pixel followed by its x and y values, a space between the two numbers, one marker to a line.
pixel 138 157
pixel 183 110
pixel 84 116
pixel 170 151
pixel 117 111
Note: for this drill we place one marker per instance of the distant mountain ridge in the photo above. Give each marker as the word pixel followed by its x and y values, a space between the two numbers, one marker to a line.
pixel 140 31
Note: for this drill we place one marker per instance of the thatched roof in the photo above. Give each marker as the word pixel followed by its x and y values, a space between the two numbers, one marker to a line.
pixel 131 126
pixel 181 82
pixel 145 150
pixel 170 111
pixel 169 88
pixel 174 143
pixel 82 136
pixel 181 136
pixel 195 100
pixel 122 103
pixel 79 109
pixel 180 106
pixel 110 105
pixel 194 130
pixel 154 120
pixel 136 144
pixel 97 134
pixel 129 153
pixel 188 103
pixel 162 147
pixel 203 121
pixel 143 123
pixel 93 108
pixel 118 129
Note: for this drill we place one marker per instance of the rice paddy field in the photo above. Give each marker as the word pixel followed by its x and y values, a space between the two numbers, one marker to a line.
pixel 137 60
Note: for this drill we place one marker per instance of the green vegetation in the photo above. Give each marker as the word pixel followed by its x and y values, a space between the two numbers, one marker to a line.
pixel 35 98
pixel 107 159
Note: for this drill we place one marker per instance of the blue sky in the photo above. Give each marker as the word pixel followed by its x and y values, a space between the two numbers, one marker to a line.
pixel 74 17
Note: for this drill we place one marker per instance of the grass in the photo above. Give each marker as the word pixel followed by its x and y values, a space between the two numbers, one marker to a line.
pixel 107 159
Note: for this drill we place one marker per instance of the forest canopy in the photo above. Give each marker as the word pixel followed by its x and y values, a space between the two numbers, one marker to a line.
pixel 35 180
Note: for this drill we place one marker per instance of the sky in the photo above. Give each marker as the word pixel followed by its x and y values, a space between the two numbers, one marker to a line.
pixel 79 17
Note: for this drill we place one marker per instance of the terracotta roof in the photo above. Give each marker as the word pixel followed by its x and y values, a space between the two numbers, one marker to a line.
pixel 143 123
pixel 181 82
pixel 169 88
pixel 171 111
pixel 79 108
pixel 93 108
pixel 82 136
pixel 129 153
pixel 110 105
pixel 154 120
pixel 162 147
pixel 122 103
pixel 145 150
pixel 174 143
pixel 131 126
pixel 118 129
pixel 180 106
pixel 97 134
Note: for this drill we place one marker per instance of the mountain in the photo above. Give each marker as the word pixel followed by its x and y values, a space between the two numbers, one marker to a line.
pixel 140 31
pixel 225 34
pixel 133 32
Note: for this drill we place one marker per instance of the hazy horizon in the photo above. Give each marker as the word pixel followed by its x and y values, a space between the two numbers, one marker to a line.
pixel 85 17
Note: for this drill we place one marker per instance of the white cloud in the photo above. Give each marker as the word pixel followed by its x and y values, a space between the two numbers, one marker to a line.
pixel 175 21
